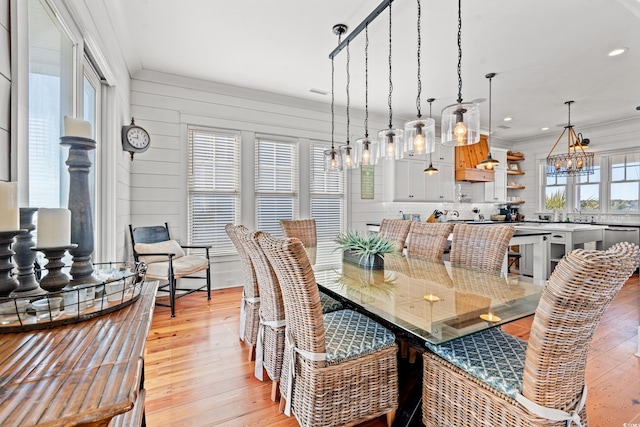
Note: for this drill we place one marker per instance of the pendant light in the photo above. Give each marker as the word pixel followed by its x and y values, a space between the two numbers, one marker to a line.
pixel 576 161
pixel 419 134
pixel 347 152
pixel 489 162
pixel 390 140
pixel 461 121
pixel 430 170
pixel 332 158
pixel 366 149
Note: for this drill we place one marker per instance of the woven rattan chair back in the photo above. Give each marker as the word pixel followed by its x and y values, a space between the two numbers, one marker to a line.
pixel 251 293
pixel 395 230
pixel 428 240
pixel 271 306
pixel 580 289
pixel 480 246
pixel 303 229
pixel 300 293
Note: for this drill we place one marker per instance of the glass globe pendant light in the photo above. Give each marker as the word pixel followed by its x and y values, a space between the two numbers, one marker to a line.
pixel 390 140
pixel 461 121
pixel 489 162
pixel 430 170
pixel 347 152
pixel 332 157
pixel 419 134
pixel 366 149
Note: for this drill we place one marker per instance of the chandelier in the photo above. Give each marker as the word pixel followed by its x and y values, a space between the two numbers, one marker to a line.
pixel 575 161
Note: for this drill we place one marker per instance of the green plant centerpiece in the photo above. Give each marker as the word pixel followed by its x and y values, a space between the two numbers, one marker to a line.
pixel 364 250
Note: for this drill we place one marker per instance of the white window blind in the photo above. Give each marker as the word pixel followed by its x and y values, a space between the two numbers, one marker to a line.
pixel 276 183
pixel 214 187
pixel 327 196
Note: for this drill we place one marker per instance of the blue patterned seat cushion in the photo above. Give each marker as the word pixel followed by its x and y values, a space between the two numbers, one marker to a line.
pixel 329 304
pixel 492 356
pixel 349 335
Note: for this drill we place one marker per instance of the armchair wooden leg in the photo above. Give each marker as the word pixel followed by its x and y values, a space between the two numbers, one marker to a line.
pixel 275 390
pixel 283 403
pixel 391 416
pixel 252 353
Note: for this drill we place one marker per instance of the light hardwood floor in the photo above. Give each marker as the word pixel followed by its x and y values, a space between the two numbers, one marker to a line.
pixel 197 372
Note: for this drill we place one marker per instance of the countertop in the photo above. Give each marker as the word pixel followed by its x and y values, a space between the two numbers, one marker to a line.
pixel 533 223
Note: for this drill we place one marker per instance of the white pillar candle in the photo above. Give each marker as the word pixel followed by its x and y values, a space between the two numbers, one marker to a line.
pixel 9 212
pixel 77 127
pixel 54 228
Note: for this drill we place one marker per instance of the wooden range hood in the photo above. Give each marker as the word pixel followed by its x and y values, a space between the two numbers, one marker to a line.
pixel 467 157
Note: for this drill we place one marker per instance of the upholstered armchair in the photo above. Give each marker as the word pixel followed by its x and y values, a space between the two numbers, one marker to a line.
pixel 167 260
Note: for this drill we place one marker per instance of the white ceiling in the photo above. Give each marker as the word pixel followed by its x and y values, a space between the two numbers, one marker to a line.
pixel 545 52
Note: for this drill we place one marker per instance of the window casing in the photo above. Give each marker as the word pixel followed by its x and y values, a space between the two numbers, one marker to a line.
pixel 588 191
pixel 624 188
pixel 276 182
pixel 214 187
pixel 327 195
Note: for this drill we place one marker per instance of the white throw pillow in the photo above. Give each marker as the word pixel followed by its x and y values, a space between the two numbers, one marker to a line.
pixel 166 247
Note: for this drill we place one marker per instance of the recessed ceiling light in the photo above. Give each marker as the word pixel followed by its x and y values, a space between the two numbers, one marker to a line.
pixel 319 91
pixel 544 128
pixel 508 119
pixel 619 51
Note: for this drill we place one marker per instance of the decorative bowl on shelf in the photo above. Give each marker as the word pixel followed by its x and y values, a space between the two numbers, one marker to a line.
pixel 498 217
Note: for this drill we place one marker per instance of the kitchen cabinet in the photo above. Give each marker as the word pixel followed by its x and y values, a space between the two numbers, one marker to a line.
pixel 410 182
pixel 440 186
pixel 405 180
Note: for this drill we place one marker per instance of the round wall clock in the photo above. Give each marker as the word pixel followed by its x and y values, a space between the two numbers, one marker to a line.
pixel 135 139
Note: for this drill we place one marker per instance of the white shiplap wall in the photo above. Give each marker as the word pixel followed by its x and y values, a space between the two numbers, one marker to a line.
pixel 166 104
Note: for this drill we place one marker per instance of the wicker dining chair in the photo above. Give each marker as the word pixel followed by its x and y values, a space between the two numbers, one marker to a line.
pixel 428 239
pixel 303 229
pixel 250 304
pixel 480 246
pixel 270 342
pixel 344 363
pixel 395 230
pixel 492 378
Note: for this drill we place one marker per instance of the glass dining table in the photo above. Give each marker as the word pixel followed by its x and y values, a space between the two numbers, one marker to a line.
pixel 425 300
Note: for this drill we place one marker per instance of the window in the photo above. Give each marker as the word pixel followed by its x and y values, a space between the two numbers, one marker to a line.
pixel 555 191
pixel 214 187
pixel 588 191
pixel 276 183
pixel 326 196
pixel 51 97
pixel 625 182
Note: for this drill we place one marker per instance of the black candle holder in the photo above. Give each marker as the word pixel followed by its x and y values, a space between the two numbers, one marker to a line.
pixel 24 257
pixel 55 279
pixel 7 282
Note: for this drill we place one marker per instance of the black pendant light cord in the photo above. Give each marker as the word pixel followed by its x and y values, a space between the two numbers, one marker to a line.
pixel 419 48
pixel 390 82
pixel 332 99
pixel 489 138
pixel 348 98
pixel 366 83
pixel 459 51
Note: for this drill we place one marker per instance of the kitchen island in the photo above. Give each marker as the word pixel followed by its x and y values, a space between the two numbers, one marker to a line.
pixel 537 239
pixel 564 237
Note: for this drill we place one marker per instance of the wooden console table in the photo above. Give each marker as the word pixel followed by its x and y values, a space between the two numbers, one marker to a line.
pixel 83 374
